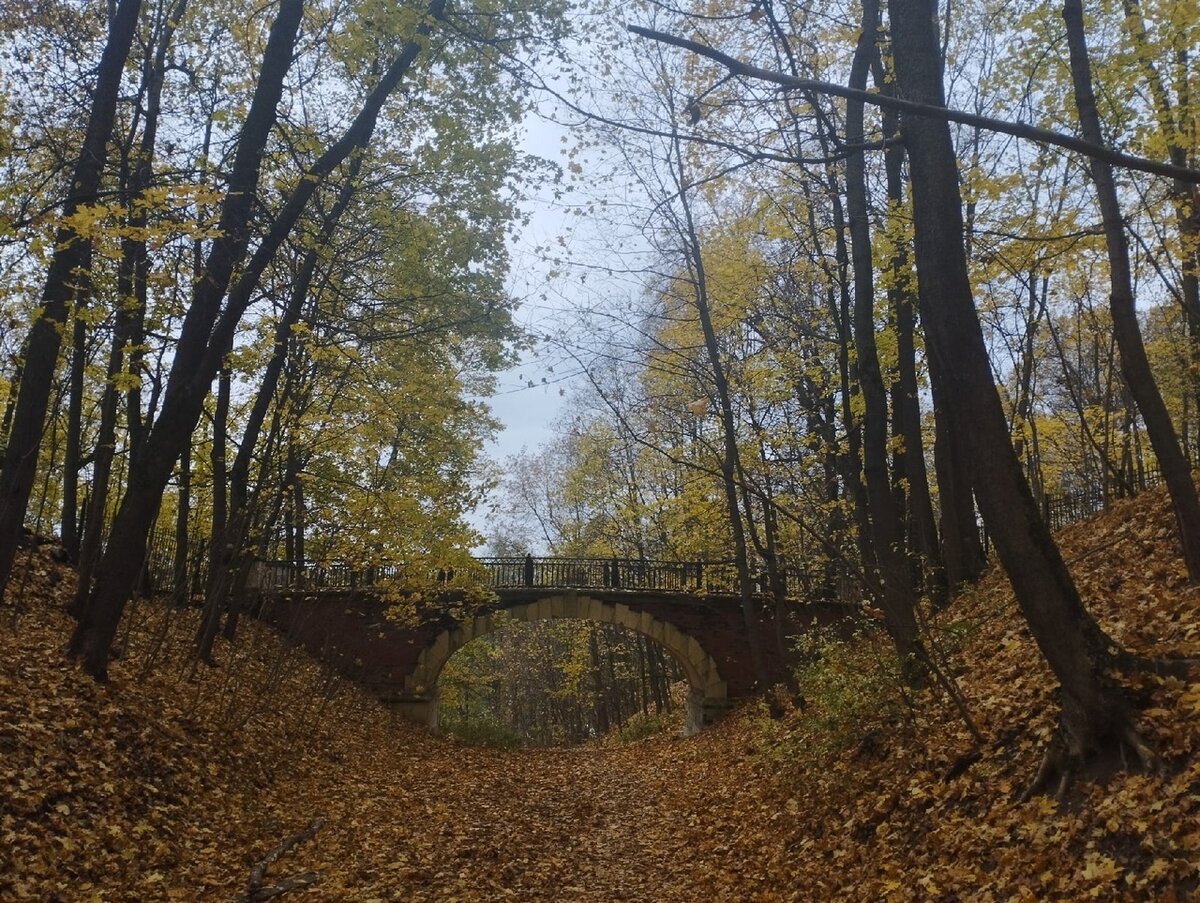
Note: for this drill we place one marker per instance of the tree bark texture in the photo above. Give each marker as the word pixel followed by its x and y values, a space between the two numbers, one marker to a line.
pixel 1095 711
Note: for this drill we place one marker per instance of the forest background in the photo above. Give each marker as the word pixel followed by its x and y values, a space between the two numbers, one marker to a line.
pixel 255 273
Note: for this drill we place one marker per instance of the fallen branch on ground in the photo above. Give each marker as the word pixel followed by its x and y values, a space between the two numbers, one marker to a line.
pixel 256 892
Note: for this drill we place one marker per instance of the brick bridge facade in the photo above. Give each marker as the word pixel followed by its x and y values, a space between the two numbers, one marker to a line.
pixel 694 618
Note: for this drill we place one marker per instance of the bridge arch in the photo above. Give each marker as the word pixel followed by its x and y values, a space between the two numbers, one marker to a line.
pixel 708 694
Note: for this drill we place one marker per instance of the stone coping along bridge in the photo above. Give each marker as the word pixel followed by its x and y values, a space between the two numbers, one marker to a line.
pixel 690 609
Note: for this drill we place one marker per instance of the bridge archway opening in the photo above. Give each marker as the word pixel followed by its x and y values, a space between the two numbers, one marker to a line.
pixel 706 694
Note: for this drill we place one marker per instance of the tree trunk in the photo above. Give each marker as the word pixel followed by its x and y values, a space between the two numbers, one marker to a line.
pixel 1095 711
pixel 730 462
pixel 962 550
pixel 180 569
pixel 207 329
pixel 71 453
pixel 893 584
pixel 239 474
pixel 1135 365
pixel 137 176
pixel 45 337
pixel 1186 198
pixel 219 555
pixel 185 392
pixel 850 458
pixel 298 512
pixel 906 410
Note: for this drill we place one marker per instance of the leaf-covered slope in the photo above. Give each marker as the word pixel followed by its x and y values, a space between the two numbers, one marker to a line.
pixel 911 816
pixel 172 788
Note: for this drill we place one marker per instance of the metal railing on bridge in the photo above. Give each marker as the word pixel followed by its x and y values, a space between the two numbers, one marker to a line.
pixel 604 573
pixel 717 577
pixel 278 575
pixel 609 573
pixel 698 577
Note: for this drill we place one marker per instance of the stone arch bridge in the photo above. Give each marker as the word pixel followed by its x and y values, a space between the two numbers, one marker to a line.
pixel 688 608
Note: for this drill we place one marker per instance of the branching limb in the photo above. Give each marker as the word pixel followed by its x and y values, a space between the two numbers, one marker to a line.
pixel 987 123
pixel 256 892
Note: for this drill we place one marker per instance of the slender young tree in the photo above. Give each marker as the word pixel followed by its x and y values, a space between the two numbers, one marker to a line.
pixel 906 408
pixel 1135 365
pixel 731 467
pixel 69 531
pixel 895 584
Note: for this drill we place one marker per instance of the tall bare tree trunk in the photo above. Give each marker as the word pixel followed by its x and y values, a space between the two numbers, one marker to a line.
pixel 962 549
pixel 74 440
pixel 180 565
pixel 893 586
pixel 137 174
pixel 218 554
pixel 730 460
pixel 906 408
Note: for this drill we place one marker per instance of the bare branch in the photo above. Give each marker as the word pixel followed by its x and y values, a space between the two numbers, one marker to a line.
pixel 1016 129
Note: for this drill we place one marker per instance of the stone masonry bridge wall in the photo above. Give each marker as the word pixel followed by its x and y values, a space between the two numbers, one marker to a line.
pixel 401 661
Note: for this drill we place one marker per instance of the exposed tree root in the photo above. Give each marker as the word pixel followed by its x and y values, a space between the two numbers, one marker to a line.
pixel 1054 761
pixel 1065 758
pixel 1163 666
pixel 1131 739
pixel 961 764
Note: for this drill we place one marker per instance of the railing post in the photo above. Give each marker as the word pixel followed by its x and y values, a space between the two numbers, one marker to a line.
pixel 529 570
pixel 699 575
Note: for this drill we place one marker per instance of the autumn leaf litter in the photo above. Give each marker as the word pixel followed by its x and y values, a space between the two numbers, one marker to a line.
pixel 171 785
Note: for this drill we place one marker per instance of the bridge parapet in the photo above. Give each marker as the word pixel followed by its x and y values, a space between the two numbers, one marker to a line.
pixel 700 577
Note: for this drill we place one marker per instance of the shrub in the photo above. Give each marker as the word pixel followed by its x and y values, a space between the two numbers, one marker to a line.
pixel 481 732
pixel 640 726
pixel 853 697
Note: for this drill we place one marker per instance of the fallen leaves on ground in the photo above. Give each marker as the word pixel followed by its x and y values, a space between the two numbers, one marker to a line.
pixel 172 785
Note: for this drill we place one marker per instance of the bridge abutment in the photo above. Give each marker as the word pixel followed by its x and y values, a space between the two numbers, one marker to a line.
pixel 703 710
pixel 419 709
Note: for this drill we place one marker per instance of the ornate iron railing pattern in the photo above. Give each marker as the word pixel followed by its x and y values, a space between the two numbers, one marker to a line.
pixel 702 577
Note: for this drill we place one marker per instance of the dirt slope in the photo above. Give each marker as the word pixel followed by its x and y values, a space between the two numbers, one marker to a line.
pixel 173 785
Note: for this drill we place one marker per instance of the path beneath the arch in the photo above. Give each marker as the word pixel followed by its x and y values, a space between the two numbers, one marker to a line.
pixel 667 819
